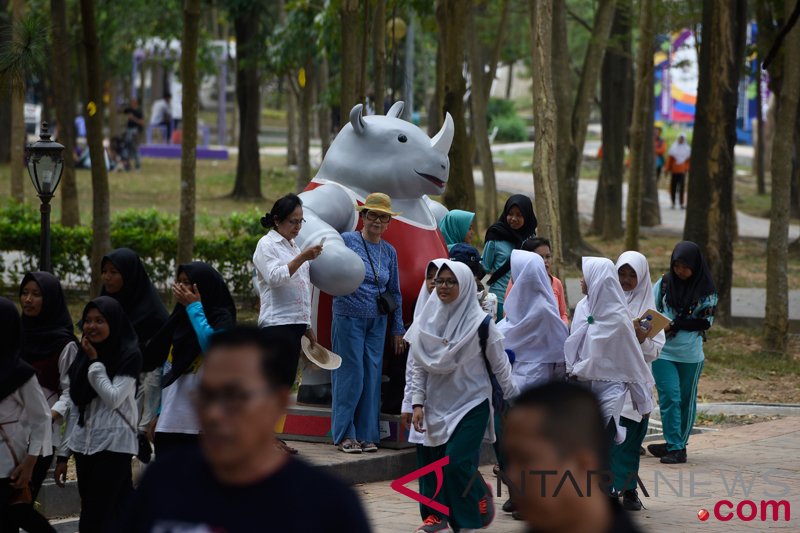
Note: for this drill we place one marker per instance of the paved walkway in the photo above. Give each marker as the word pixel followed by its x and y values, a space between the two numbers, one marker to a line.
pixel 756 462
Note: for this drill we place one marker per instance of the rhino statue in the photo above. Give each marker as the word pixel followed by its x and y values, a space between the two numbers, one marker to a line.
pixel 372 154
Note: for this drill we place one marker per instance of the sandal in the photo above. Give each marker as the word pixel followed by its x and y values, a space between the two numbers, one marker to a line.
pixel 285 447
pixel 349 446
pixel 369 447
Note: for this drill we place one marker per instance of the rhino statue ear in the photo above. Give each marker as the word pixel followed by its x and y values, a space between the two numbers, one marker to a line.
pixel 357 119
pixel 396 110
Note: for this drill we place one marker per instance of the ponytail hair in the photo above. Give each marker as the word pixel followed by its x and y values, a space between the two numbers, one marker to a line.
pixel 281 210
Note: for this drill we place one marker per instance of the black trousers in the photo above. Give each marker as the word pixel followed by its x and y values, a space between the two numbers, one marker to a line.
pixel 104 484
pixel 677 186
pixel 40 471
pixel 293 333
pixel 166 443
pixel 22 515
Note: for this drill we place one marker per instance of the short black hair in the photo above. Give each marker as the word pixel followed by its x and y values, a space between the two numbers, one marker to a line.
pixel 572 418
pixel 530 245
pixel 281 209
pixel 273 349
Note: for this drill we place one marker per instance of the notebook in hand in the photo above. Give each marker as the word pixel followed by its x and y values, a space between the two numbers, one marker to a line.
pixel 658 323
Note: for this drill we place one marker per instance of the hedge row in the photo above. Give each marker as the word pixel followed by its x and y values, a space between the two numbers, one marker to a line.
pixel 152 234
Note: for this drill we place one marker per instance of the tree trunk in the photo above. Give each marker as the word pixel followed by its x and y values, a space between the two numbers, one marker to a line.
pixel 303 157
pixel 5 91
pixel 641 115
pixel 101 230
pixel 615 99
pixel 379 54
pixel 65 111
pixel 323 103
pixel 758 162
pixel 291 122
pixel 349 73
pixel 363 54
pixel 248 96
pixel 452 18
pixel 724 45
pixel 480 130
pixel 545 112
pixel 650 214
pixel 18 133
pixel 776 322
pixel 189 78
pixel 435 116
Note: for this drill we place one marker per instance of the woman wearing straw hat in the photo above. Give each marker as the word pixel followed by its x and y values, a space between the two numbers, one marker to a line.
pixel 359 329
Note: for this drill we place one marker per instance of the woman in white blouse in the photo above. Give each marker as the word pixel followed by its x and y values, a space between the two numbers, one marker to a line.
pixel 283 278
pixel 24 428
pixel 101 424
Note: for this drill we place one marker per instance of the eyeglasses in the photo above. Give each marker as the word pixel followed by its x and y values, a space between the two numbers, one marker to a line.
pixel 372 217
pixel 297 222
pixel 445 282
pixel 231 399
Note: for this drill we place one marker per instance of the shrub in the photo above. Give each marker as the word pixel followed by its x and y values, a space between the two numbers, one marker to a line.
pixel 510 129
pixel 499 107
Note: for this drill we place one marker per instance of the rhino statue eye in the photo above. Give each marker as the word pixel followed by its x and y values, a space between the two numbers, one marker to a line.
pixel 402 138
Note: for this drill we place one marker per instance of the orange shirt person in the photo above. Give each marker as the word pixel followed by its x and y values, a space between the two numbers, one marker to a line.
pixel 678 166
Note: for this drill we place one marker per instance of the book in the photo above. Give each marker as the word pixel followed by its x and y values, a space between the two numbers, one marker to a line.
pixel 658 323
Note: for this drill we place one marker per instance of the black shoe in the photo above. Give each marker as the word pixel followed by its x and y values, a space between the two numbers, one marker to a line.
pixel 659 450
pixel 674 457
pixel 631 501
pixel 642 451
pixel 516 516
pixel 508 507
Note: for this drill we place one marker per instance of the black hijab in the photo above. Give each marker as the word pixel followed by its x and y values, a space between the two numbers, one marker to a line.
pixel 178 332
pixel 683 295
pixel 138 296
pixel 45 336
pixel 502 231
pixel 119 353
pixel 14 372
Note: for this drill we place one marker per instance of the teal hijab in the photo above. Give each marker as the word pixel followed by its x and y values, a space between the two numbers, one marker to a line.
pixel 455 225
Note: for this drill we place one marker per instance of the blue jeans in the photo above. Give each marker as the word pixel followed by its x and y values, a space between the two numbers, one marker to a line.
pixel 357 383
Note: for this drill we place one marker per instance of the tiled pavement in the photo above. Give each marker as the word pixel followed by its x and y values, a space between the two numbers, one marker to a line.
pixel 764 457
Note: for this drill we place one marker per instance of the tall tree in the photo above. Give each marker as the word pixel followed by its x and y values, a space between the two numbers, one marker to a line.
pixel 571 141
pixel 323 104
pixel 776 323
pixel 65 110
pixel 5 88
pixel 350 64
pixel 452 18
pixel 101 226
pixel 18 131
pixel 379 54
pixel 650 213
pixel 545 112
pixel 247 26
pixel 615 105
pixel 711 211
pixel 189 77
pixel 641 115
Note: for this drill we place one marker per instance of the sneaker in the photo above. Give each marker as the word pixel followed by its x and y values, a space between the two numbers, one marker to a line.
pixel 486 506
pixel 508 507
pixel 659 450
pixel 433 524
pixel 631 501
pixel 369 447
pixel 349 446
pixel 674 457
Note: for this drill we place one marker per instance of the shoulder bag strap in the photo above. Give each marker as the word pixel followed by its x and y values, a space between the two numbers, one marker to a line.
pixel 374 274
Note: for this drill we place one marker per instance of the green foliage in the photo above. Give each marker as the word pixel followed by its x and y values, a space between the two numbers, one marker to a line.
pixel 501 114
pixel 151 233
pixel 499 107
pixel 23 56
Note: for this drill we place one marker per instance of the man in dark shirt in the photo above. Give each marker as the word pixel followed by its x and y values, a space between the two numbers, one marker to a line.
pixel 238 480
pixel 133 131
pixel 557 452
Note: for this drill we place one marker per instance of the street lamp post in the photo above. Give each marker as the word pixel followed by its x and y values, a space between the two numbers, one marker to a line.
pixel 45 162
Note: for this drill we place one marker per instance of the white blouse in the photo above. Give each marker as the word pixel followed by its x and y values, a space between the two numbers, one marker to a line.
pixel 110 418
pixel 61 403
pixel 285 298
pixel 25 418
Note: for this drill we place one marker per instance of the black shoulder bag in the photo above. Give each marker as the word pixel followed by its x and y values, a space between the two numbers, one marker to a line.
pixel 499 404
pixel 386 302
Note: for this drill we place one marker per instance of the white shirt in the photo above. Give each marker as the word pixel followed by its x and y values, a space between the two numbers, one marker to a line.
pixel 177 412
pixel 109 419
pixel 61 403
pixel 285 298
pixel 25 418
pixel 160 112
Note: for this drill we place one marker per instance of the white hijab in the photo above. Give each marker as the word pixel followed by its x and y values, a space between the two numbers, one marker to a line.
pixel 533 328
pixel 641 298
pixel 443 330
pixel 424 295
pixel 603 347
pixel 680 151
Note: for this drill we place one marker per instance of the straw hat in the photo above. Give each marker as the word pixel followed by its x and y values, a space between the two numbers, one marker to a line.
pixel 320 356
pixel 378 202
